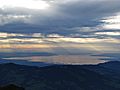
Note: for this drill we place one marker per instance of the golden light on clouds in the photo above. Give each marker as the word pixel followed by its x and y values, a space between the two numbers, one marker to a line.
pixel 53 41
pixel 62 49
pixel 24 46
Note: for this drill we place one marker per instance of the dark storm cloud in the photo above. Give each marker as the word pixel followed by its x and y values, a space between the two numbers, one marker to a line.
pixel 83 13
pixel 62 17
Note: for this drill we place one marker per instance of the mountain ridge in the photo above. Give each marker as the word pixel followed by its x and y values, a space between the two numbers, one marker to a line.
pixel 61 77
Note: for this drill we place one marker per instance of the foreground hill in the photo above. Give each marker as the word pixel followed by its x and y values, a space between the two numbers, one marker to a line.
pixel 11 87
pixel 62 77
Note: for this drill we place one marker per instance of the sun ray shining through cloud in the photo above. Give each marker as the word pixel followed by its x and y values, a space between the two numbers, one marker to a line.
pixel 70 27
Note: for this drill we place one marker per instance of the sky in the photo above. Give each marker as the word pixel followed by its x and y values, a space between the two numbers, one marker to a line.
pixel 60 31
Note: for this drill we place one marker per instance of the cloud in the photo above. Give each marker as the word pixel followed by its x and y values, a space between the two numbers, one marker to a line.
pixel 6 19
pixel 38 40
pixel 111 22
pixel 64 13
pixel 29 4
pixel 108 33
pixel 68 19
pixel 64 27
pixel 110 56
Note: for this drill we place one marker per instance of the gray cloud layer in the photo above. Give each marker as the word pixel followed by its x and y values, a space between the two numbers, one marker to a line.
pixel 69 17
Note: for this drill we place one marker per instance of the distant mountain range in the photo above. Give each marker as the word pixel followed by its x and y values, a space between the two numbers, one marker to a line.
pixel 104 76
